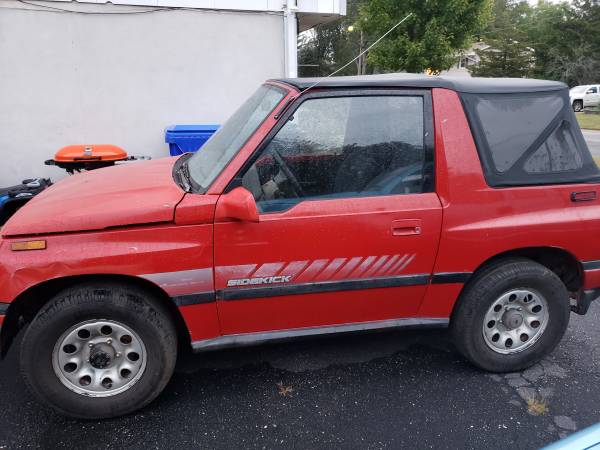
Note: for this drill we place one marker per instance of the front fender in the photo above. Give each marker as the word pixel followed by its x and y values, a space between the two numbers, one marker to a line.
pixel 130 251
pixel 147 254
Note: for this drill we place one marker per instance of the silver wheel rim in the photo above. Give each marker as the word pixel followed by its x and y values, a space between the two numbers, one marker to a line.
pixel 515 321
pixel 99 358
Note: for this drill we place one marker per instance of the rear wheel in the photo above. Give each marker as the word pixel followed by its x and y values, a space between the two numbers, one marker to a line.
pixel 510 316
pixel 578 105
pixel 99 351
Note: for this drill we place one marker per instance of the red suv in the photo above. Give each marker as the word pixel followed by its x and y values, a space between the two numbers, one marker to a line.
pixel 358 203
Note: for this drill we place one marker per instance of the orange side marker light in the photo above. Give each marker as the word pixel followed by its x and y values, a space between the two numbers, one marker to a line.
pixel 28 245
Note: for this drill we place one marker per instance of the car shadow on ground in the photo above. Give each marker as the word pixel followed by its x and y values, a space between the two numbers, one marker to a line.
pixel 318 352
pixel 383 389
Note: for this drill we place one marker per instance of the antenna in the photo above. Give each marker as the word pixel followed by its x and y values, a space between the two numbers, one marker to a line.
pixel 360 54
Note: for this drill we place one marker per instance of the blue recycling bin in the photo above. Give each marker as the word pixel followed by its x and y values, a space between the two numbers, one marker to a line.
pixel 188 138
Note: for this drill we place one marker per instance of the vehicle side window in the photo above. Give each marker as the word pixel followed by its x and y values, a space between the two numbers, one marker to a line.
pixel 558 153
pixel 592 90
pixel 338 147
pixel 529 139
pixel 512 123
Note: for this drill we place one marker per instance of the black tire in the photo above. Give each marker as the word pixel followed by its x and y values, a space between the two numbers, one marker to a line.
pixel 99 301
pixel 484 289
pixel 578 105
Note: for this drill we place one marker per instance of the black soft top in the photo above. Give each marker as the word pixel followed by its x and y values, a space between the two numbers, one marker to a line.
pixel 466 84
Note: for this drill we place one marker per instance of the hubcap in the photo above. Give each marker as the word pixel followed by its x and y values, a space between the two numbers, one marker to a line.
pixel 515 321
pixel 99 358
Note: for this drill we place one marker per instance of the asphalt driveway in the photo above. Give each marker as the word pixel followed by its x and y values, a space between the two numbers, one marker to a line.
pixel 592 137
pixel 383 390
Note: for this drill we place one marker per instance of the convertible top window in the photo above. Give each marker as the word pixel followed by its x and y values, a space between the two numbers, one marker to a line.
pixel 528 139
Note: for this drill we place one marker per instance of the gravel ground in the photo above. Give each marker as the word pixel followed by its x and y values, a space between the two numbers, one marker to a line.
pixel 380 390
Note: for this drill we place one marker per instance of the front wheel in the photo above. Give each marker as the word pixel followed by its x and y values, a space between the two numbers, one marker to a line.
pixel 99 351
pixel 510 316
pixel 578 105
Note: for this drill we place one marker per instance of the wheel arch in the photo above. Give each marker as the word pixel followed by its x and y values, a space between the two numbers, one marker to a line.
pixel 560 261
pixel 26 305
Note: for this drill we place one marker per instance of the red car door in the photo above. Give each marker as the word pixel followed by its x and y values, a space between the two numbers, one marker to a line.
pixel 349 220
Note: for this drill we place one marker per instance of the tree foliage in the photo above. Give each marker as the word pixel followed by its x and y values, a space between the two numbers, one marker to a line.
pixel 558 41
pixel 328 47
pixel 551 40
pixel 573 50
pixel 506 57
pixel 508 53
pixel 429 39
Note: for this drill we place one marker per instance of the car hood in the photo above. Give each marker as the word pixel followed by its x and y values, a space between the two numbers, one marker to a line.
pixel 126 194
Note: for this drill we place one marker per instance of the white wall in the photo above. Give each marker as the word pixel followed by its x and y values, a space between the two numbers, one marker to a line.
pixel 80 78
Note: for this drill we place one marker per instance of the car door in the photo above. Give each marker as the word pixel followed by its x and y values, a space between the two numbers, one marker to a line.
pixel 592 96
pixel 349 222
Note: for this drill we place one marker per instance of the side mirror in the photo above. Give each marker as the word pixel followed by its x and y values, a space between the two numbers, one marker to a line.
pixel 238 204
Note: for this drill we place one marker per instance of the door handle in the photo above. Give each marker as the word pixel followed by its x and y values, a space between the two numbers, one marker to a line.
pixel 583 196
pixel 406 227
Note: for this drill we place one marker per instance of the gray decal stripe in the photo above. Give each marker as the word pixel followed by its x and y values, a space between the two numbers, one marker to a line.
pixel 389 263
pixel 237 340
pixel 451 277
pixel 194 299
pixel 397 265
pixel 183 282
pixel 591 265
pixel 3 307
pixel 324 286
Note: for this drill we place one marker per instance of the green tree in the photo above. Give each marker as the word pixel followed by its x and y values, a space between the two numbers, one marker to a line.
pixel 509 53
pixel 506 57
pixel 429 39
pixel 572 46
pixel 553 30
pixel 557 41
pixel 328 47
pixel 320 49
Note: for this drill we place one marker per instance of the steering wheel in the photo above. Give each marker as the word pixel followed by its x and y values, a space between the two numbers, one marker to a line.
pixel 296 187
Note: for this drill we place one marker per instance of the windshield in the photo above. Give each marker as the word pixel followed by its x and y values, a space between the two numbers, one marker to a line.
pixel 210 160
pixel 578 89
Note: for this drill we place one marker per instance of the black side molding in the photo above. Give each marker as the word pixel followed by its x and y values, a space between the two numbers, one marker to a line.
pixel 3 308
pixel 591 265
pixel 244 339
pixel 324 286
pixel 451 277
pixel 194 299
pixel 280 290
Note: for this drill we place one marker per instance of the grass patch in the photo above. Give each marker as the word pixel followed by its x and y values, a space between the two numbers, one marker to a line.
pixel 589 121
pixel 537 407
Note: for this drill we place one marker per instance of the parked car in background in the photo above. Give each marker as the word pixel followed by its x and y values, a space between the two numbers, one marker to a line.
pixel 360 203
pixel 584 96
